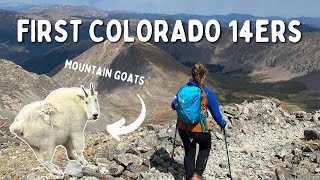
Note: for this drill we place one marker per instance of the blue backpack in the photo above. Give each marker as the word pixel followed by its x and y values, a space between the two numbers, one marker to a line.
pixel 189 106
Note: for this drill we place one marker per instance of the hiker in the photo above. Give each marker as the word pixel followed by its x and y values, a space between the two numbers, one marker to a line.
pixel 199 133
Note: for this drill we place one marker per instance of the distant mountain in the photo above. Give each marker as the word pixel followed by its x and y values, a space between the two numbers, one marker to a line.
pixel 57 12
pixel 272 61
pixel 16 6
pixel 44 63
pixel 308 24
pixel 38 57
pixel 310 21
pixel 43 57
pixel 163 75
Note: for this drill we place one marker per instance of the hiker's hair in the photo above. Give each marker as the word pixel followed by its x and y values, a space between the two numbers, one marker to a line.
pixel 198 71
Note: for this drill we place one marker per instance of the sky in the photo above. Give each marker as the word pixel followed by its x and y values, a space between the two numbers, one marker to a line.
pixel 284 8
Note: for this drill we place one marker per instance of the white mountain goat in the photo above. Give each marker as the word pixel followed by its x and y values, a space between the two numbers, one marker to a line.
pixel 60 119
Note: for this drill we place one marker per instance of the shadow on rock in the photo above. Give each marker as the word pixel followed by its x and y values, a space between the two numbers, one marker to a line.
pixel 163 162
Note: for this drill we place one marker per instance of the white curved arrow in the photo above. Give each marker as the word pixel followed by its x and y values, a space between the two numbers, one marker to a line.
pixel 118 127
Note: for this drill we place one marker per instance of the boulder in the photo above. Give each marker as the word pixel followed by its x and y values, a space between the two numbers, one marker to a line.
pixel 316 116
pixel 128 158
pixel 128 174
pixel 280 173
pixel 312 133
pixel 155 174
pixel 33 176
pixel 74 169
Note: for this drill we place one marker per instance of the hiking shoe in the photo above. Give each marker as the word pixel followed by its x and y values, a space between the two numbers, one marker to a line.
pixel 197 177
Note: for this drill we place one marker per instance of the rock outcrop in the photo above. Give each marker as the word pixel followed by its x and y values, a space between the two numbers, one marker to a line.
pixel 264 142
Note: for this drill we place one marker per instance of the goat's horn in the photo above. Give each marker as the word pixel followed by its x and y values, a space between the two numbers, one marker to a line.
pixel 85 93
pixel 92 90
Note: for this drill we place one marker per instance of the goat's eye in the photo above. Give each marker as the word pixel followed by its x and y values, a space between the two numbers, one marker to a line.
pixel 86 102
pixel 95 100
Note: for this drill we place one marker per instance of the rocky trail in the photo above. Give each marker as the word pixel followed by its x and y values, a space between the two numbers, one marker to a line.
pixel 264 141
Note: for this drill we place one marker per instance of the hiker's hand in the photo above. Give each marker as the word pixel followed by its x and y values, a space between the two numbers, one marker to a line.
pixel 223 124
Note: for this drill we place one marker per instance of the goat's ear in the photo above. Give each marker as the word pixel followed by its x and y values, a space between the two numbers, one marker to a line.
pixel 81 96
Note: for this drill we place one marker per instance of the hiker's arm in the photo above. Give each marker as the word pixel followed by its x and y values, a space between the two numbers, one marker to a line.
pixel 214 109
pixel 173 103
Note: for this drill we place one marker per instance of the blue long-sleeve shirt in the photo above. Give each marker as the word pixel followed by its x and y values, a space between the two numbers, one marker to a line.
pixel 212 105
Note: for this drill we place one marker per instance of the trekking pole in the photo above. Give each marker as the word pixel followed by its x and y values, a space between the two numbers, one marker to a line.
pixel 225 140
pixel 174 144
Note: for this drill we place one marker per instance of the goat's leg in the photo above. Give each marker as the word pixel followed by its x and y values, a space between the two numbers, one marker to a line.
pixel 70 150
pixel 78 144
pixel 44 156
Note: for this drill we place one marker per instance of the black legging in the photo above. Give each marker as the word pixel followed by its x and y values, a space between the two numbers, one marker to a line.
pixel 204 141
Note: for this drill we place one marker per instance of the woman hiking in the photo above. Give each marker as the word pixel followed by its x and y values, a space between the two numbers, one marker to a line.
pixel 199 133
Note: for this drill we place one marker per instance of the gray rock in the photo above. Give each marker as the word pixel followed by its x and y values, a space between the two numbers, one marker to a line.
pixel 161 150
pixel 312 133
pixel 156 160
pixel 133 151
pixel 132 166
pixel 281 154
pixel 72 178
pixel 296 151
pixel 92 171
pixel 296 159
pixel 115 169
pixel 128 158
pixel 144 146
pixel 280 173
pixel 155 174
pixel 107 167
pixel 165 156
pixel 122 147
pixel 316 117
pixel 317 160
pixel 223 165
pixel 102 162
pixel 146 157
pixel 92 167
pixel 33 176
pixel 163 135
pixel 219 135
pixel 111 153
pixel 152 127
pixel 308 149
pixel 91 178
pixel 104 171
pixel 128 174
pixel 54 177
pixel 74 169
pixel 303 116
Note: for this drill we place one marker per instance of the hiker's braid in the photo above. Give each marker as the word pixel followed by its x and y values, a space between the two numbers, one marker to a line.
pixel 198 71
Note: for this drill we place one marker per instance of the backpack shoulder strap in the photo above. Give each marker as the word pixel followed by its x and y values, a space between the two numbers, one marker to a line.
pixel 203 111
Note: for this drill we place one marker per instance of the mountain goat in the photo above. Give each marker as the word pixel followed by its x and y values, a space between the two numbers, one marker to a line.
pixel 60 119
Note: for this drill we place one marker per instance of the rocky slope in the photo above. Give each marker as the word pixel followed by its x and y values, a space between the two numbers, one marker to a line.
pixel 162 78
pixel 19 87
pixel 264 141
